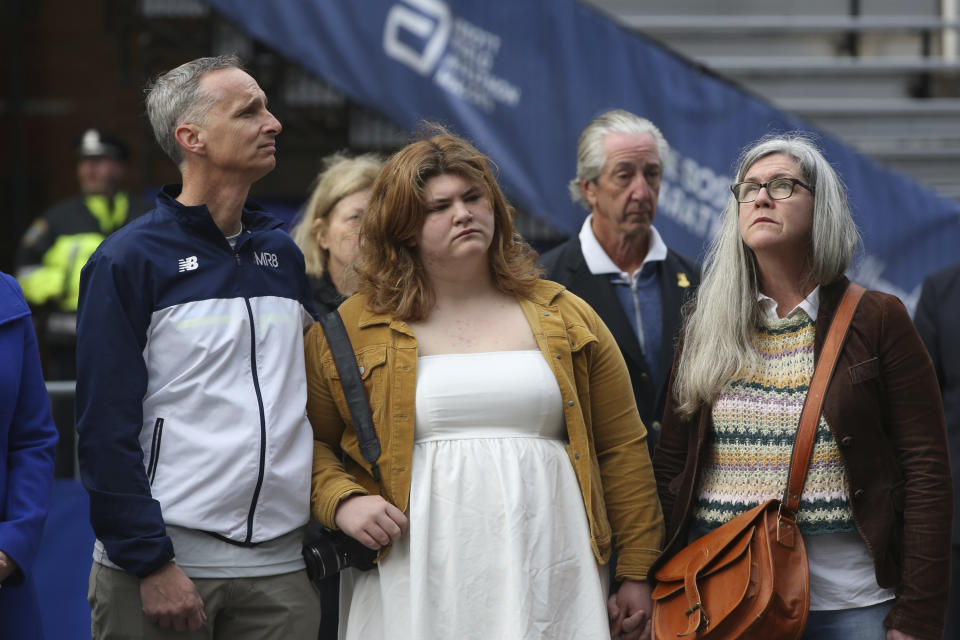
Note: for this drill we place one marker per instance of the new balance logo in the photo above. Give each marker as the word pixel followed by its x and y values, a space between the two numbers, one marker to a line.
pixel 187 264
pixel 265 258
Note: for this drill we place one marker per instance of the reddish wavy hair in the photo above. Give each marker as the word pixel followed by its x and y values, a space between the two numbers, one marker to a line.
pixel 389 266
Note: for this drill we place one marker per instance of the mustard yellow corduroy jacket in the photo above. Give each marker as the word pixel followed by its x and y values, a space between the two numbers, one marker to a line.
pixel 607 440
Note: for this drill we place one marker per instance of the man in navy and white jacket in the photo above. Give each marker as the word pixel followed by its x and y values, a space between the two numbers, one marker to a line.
pixel 193 439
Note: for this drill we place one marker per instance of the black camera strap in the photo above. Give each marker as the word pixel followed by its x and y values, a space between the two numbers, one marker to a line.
pixel 346 363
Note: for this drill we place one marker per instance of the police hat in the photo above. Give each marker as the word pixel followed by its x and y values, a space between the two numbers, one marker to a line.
pixel 94 143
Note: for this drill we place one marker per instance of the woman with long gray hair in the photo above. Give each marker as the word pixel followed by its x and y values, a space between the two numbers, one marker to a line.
pixel 875 509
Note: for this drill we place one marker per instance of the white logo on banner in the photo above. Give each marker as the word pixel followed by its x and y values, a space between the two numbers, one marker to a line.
pixel 437 20
pixel 692 195
pixel 458 54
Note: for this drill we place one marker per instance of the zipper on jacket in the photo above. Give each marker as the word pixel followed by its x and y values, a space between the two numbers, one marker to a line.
pixel 263 421
pixel 155 450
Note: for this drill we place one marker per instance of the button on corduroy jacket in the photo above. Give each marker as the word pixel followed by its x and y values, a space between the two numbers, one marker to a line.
pixel 883 407
pixel 606 438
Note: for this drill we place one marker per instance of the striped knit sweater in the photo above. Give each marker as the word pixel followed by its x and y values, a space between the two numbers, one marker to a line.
pixel 755 421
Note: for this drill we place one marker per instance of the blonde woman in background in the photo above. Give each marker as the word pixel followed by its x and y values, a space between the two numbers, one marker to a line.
pixel 327 234
pixel 327 231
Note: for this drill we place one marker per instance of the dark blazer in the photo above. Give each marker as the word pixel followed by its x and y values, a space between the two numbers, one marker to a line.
pixel 883 407
pixel 679 278
pixel 938 319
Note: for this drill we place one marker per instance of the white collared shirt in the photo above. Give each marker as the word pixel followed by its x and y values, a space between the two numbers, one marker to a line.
pixel 599 262
pixel 810 304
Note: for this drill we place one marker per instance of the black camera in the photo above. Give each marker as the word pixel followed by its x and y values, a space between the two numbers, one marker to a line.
pixel 326 552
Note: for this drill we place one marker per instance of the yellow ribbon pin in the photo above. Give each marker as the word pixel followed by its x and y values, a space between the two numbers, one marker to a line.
pixel 682 280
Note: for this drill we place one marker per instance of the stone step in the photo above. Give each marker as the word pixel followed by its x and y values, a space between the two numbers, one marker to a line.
pixel 929 121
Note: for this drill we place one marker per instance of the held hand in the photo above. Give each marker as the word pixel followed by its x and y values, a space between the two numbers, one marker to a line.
pixel 7 566
pixel 170 599
pixel 629 610
pixel 371 520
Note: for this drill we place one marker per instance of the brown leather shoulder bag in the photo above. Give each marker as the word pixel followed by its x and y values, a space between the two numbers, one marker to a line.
pixel 748 579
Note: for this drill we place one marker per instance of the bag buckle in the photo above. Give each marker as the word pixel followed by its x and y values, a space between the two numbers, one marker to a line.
pixel 704 620
pixel 786 526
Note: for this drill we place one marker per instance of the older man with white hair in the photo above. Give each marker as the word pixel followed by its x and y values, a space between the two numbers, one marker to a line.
pixel 618 262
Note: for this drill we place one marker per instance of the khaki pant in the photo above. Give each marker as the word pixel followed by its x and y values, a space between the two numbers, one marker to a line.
pixel 284 607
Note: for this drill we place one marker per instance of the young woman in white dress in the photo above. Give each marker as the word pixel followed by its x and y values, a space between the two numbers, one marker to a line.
pixel 512 451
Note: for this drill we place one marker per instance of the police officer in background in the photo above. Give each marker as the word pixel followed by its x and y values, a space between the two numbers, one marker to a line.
pixel 55 248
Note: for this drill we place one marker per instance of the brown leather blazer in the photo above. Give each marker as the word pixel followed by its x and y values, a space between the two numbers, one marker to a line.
pixel 883 406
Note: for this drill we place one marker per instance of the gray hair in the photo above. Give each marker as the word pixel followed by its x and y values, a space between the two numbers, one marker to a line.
pixel 175 97
pixel 591 155
pixel 717 332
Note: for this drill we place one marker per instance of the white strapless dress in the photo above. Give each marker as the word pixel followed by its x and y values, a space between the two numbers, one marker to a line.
pixel 499 543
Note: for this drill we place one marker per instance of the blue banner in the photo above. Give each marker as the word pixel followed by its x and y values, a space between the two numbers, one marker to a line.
pixel 521 79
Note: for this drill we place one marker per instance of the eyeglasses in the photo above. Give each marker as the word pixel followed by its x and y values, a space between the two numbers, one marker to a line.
pixel 777 189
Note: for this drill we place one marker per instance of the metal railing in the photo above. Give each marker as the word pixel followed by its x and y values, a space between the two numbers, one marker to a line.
pixel 60 389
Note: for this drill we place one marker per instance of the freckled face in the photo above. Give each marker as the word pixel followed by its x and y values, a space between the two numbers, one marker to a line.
pixel 776 225
pixel 459 221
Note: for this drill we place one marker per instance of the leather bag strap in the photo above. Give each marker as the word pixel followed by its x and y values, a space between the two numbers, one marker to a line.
pixel 813 405
pixel 346 362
